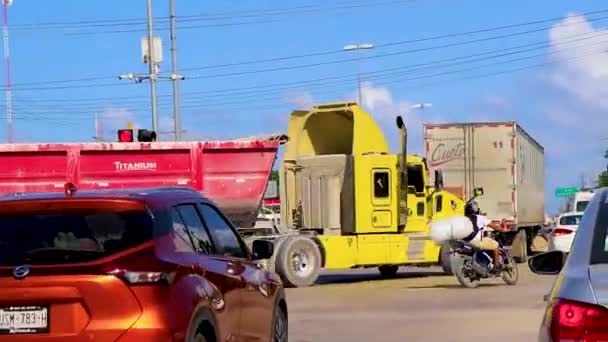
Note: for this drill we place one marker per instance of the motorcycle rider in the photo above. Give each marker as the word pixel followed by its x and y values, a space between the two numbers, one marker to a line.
pixel 477 238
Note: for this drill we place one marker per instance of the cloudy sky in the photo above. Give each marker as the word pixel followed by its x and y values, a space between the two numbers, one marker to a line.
pixel 248 64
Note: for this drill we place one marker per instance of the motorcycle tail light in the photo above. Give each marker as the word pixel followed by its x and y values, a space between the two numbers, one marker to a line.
pixel 575 321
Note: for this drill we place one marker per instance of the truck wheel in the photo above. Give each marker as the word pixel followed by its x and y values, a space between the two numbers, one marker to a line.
pixel 298 262
pixel 388 271
pixel 519 248
pixel 445 259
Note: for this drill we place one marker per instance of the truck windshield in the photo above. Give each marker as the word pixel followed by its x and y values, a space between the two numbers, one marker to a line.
pixel 581 205
pixel 570 220
pixel 70 236
pixel 415 177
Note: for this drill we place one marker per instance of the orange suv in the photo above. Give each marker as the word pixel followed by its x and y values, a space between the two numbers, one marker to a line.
pixel 161 264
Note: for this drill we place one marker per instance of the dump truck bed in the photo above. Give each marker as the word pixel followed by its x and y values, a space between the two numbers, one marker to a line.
pixel 232 173
pixel 498 156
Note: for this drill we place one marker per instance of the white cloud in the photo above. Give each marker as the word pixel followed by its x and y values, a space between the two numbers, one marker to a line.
pixel 581 53
pixel 112 119
pixel 302 100
pixel 381 104
pixel 573 107
pixel 375 97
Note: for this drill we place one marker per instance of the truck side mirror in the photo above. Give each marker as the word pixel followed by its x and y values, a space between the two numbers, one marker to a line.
pixel 438 179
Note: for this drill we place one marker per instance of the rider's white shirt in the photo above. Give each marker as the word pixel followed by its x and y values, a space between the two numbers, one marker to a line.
pixel 482 221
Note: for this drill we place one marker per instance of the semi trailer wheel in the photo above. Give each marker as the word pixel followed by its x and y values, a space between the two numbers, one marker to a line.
pixel 519 247
pixel 445 259
pixel 298 262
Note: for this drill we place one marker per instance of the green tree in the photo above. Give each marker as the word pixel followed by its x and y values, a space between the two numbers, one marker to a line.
pixel 274 175
pixel 602 179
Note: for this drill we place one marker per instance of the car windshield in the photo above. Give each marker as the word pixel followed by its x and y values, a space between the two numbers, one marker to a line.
pixel 570 220
pixel 70 236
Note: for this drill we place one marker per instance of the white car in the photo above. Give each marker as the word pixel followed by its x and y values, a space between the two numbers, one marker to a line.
pixel 560 238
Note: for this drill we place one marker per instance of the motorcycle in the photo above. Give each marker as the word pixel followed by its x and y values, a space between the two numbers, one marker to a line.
pixel 471 264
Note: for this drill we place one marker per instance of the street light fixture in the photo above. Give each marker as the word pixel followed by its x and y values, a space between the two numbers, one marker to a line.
pixel 356 47
pixel 421 106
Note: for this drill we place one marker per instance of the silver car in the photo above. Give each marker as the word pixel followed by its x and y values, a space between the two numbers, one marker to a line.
pixel 577 307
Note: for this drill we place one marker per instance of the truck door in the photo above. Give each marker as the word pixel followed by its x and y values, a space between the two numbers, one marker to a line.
pixel 376 195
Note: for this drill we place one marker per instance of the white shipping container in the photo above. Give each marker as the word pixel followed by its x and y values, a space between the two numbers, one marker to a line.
pixel 498 156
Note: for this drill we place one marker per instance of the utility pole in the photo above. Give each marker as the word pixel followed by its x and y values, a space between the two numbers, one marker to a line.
pixel 7 66
pixel 583 182
pixel 356 47
pixel 176 118
pixel 152 68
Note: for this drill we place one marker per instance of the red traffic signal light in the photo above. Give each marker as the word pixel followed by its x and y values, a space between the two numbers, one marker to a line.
pixel 125 135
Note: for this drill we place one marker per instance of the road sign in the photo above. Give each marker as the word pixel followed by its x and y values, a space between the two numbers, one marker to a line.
pixel 566 192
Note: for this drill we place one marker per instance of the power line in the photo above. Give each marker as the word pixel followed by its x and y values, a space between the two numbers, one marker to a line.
pixel 193 17
pixel 449 72
pixel 97 78
pixel 389 54
pixel 262 90
pixel 418 40
pixel 287 14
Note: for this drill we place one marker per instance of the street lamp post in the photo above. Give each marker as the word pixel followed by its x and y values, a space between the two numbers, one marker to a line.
pixel 356 47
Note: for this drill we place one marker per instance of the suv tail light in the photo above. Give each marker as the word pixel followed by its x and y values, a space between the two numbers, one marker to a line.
pixel 562 231
pixel 575 321
pixel 143 278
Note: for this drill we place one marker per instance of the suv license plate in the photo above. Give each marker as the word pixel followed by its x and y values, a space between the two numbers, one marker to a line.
pixel 24 320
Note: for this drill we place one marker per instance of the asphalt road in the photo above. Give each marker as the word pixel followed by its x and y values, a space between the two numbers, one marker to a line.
pixel 420 305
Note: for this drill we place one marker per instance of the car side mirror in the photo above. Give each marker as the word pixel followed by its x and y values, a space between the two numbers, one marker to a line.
pixel 262 249
pixel 548 263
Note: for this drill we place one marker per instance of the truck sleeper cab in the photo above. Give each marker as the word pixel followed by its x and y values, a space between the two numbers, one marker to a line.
pixel 350 201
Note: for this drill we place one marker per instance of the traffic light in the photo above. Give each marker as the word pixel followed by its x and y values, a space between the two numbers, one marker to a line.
pixel 125 135
pixel 144 135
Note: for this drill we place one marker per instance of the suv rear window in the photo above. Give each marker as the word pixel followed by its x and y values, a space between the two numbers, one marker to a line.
pixel 570 220
pixel 70 236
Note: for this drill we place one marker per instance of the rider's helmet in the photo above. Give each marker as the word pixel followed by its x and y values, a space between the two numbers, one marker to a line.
pixel 472 208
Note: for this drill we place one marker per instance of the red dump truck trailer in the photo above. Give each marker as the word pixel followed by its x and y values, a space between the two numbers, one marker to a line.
pixel 232 173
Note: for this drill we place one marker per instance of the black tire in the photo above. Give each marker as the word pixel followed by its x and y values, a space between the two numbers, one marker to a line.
pixel 388 271
pixel 458 269
pixel 298 262
pixel 445 259
pixel 520 247
pixel 280 326
pixel 510 275
pixel 202 327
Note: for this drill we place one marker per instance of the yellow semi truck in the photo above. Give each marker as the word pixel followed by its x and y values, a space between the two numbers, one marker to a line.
pixel 347 202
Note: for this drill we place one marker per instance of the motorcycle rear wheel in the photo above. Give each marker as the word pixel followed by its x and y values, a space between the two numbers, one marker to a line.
pixel 459 269
pixel 510 275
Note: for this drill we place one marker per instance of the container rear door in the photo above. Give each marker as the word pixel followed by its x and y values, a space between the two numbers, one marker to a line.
pixel 445 150
pixel 475 155
pixel 493 168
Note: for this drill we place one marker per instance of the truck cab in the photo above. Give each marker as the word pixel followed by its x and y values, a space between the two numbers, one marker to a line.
pixel 581 200
pixel 360 204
